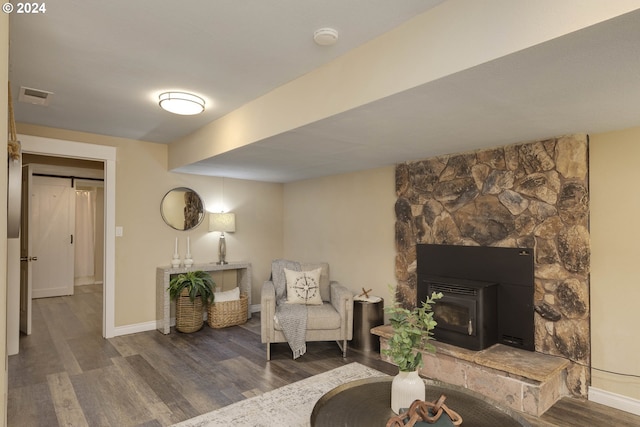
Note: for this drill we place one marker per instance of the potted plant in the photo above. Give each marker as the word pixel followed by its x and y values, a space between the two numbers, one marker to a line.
pixel 412 330
pixel 192 291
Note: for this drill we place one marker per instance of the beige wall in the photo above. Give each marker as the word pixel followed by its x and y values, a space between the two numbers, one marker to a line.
pixel 615 283
pixel 346 220
pixel 4 77
pixel 147 242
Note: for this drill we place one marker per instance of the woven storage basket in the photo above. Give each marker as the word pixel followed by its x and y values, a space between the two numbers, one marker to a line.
pixel 188 313
pixel 228 313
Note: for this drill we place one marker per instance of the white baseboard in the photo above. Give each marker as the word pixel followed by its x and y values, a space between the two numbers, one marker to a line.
pixel 82 281
pixel 150 326
pixel 134 329
pixel 48 293
pixel 614 400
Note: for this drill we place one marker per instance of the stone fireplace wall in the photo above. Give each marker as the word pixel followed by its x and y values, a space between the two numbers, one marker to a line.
pixel 532 195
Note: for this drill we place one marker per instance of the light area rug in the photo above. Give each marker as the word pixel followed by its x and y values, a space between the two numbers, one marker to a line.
pixel 288 406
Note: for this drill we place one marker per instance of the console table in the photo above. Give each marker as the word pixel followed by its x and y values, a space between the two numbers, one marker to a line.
pixel 163 276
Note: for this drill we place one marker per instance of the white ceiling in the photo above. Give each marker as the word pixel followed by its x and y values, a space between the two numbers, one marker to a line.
pixel 107 61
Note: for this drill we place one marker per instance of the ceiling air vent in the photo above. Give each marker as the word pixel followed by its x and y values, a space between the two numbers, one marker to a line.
pixel 34 96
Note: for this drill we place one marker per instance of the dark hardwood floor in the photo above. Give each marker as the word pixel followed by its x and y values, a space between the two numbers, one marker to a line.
pixel 66 374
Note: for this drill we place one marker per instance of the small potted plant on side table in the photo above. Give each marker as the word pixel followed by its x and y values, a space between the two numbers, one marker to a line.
pixel 412 330
pixel 192 291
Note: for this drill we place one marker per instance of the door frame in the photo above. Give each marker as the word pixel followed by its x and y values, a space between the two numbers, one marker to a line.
pixel 106 154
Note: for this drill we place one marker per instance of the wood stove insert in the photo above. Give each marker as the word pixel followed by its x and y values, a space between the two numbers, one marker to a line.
pixel 488 294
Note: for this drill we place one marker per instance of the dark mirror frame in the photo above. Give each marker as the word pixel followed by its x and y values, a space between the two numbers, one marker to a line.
pixel 182 209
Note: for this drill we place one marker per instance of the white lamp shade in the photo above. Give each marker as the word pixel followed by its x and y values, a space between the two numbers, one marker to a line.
pixel 224 222
pixel 182 103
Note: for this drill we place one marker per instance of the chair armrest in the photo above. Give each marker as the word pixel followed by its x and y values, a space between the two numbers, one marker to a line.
pixel 342 301
pixel 268 293
pixel 267 310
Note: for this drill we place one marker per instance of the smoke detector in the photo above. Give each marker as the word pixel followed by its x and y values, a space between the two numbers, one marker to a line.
pixel 325 36
pixel 34 96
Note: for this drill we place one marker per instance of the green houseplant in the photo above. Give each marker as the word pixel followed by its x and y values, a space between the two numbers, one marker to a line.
pixel 192 291
pixel 412 330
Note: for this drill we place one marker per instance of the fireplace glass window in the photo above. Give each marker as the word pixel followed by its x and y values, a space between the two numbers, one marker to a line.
pixel 455 314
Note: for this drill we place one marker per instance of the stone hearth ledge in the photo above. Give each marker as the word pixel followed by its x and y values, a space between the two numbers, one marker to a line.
pixel 522 380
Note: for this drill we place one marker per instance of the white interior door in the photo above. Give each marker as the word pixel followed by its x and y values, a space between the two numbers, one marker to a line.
pixel 51 234
pixel 25 259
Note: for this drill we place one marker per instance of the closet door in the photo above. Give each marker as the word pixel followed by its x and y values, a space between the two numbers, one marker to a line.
pixel 51 228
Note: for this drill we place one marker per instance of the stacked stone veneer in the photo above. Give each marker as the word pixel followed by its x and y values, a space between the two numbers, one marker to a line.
pixel 532 195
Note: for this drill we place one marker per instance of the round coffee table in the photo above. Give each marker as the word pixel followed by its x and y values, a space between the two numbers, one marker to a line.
pixel 367 403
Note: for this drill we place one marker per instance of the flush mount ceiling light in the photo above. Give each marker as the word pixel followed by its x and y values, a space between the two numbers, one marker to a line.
pixel 325 36
pixel 182 103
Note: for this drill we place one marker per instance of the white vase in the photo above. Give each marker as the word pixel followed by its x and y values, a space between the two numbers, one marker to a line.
pixel 405 388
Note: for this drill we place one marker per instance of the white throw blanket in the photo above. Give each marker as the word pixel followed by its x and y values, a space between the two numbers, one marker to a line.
pixel 291 317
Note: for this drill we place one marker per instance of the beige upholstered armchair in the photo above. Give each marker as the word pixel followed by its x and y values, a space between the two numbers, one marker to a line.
pixel 329 318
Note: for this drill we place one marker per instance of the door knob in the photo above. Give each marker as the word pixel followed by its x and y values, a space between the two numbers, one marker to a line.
pixel 33 258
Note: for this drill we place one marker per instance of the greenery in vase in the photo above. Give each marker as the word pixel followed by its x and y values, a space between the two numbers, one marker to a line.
pixel 198 284
pixel 412 330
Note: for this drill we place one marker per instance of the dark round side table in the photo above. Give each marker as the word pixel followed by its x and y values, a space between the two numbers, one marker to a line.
pixel 366 315
pixel 367 403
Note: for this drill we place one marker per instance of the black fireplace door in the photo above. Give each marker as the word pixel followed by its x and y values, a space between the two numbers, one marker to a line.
pixel 466 313
pixel 456 314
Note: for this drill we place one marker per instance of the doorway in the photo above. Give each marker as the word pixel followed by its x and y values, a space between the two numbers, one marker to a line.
pixel 89 233
pixel 107 156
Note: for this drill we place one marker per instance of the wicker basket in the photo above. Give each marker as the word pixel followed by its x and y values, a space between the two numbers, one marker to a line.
pixel 188 313
pixel 228 313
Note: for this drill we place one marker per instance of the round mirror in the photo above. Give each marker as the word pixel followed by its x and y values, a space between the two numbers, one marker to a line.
pixel 182 209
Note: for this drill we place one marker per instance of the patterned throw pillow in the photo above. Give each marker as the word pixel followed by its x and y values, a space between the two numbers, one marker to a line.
pixel 303 287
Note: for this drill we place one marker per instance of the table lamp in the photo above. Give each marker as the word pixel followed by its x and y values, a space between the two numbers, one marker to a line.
pixel 224 222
